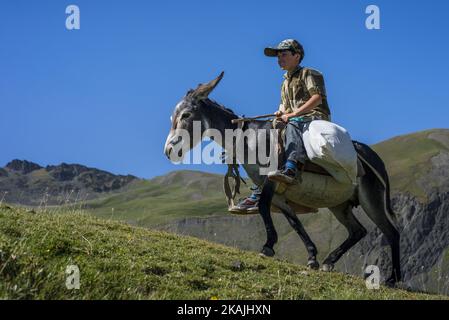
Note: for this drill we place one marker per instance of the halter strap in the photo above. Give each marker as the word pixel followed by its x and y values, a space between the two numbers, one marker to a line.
pixel 233 172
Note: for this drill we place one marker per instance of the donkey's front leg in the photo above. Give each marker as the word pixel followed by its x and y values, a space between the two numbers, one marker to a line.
pixel 265 212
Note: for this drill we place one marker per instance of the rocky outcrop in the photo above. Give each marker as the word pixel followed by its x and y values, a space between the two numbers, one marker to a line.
pixel 3 172
pixel 22 166
pixel 424 229
pixel 66 172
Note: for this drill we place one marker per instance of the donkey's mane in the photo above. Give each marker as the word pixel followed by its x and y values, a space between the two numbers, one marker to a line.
pixel 215 104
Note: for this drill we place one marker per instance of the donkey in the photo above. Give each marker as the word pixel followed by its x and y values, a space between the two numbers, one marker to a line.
pixel 372 190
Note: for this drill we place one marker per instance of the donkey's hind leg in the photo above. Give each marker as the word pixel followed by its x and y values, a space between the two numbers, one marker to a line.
pixel 356 232
pixel 374 202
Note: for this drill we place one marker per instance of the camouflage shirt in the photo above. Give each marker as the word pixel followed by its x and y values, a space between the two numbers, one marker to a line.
pixel 299 86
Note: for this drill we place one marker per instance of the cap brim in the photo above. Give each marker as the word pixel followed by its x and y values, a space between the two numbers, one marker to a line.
pixel 271 52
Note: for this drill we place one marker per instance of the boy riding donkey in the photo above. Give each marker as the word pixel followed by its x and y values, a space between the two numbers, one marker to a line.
pixel 303 99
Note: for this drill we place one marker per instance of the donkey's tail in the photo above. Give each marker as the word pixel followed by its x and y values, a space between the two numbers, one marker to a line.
pixel 373 162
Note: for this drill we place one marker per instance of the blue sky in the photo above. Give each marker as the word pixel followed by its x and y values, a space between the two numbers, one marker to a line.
pixel 102 95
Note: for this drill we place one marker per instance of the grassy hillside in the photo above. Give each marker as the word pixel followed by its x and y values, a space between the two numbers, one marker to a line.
pixel 117 261
pixel 407 158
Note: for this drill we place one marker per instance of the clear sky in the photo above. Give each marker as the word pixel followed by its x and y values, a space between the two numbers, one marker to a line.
pixel 102 95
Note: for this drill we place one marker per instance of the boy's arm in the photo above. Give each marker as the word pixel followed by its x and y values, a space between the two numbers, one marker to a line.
pixel 313 102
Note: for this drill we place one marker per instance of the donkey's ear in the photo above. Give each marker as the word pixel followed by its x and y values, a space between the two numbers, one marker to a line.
pixel 203 90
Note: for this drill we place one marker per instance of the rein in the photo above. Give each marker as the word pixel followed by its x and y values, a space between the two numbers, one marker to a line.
pixel 241 120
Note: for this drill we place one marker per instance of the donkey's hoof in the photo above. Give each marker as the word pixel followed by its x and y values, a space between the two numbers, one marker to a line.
pixel 313 265
pixel 266 252
pixel 327 267
pixel 390 282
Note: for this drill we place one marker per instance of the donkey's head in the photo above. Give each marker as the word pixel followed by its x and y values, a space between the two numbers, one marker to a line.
pixel 189 111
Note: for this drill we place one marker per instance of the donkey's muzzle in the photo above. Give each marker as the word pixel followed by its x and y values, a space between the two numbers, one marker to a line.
pixel 168 150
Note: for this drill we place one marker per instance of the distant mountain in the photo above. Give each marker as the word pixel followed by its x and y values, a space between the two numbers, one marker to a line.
pixel 28 183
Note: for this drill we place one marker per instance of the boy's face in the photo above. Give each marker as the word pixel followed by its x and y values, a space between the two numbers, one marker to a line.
pixel 288 61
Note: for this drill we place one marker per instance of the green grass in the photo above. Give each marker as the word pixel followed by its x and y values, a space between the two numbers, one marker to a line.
pixel 118 261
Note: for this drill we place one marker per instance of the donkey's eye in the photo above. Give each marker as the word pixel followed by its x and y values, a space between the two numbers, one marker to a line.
pixel 185 115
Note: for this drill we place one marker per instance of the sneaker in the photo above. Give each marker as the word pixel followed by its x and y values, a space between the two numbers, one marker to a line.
pixel 248 205
pixel 286 176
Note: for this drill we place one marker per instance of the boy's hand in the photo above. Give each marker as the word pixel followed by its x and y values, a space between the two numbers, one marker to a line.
pixel 285 118
pixel 278 113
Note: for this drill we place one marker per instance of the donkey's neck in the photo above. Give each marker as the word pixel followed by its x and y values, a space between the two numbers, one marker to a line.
pixel 220 119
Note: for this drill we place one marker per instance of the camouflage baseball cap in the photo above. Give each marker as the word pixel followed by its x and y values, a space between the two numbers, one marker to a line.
pixel 288 44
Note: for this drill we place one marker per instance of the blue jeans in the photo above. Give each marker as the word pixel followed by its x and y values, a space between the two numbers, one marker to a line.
pixel 294 144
